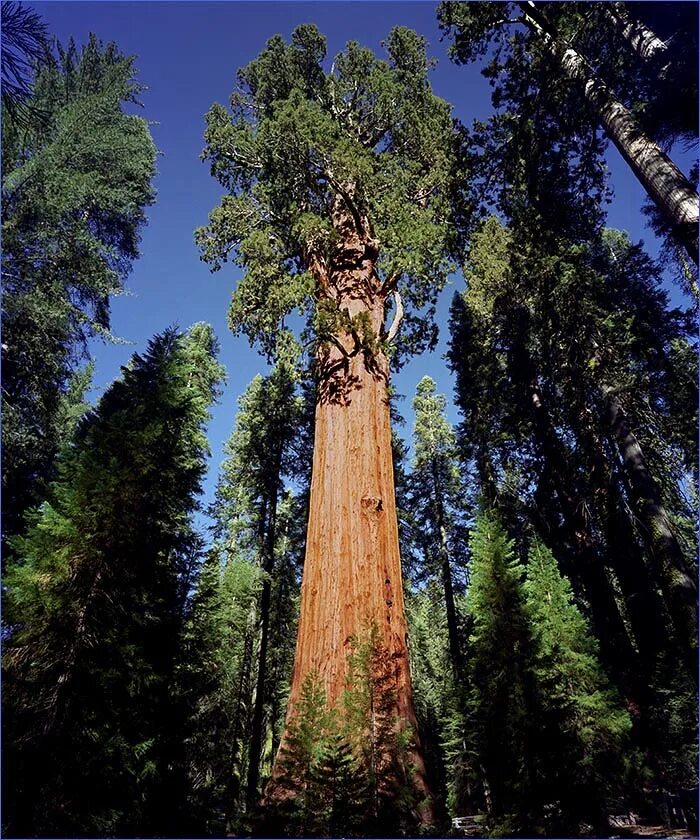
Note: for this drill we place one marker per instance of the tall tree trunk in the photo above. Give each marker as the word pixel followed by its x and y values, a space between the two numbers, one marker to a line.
pixel 233 782
pixel 677 583
pixel 256 738
pixel 352 568
pixel 607 620
pixel 646 610
pixel 588 575
pixel 665 184
pixel 644 41
pixel 446 574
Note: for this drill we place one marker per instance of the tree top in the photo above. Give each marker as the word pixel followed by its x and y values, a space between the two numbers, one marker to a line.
pixel 325 167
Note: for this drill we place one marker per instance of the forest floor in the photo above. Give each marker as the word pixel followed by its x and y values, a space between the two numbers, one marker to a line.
pixel 653 831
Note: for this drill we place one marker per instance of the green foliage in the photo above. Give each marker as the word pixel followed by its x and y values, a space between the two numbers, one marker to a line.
pixel 24 44
pixel 541 112
pixel 436 695
pixel 76 179
pixel 318 165
pixel 94 604
pixel 503 713
pixel 346 769
pixel 234 685
pixel 213 679
pixel 536 692
pixel 261 449
pixel 592 729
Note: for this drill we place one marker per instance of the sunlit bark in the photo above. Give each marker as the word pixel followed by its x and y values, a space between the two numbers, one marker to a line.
pixel 665 184
pixel 352 568
pixel 644 41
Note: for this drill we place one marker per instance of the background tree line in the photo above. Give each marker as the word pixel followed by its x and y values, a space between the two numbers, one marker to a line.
pixel 548 541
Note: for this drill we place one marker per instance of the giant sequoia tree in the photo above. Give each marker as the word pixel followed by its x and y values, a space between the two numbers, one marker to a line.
pixel 337 200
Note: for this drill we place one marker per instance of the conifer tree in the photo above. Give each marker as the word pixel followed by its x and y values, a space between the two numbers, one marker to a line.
pixel 24 45
pixel 583 714
pixel 261 453
pixel 437 499
pixel 76 179
pixel 503 713
pixel 214 683
pixel 338 186
pixel 544 328
pixel 240 633
pixel 549 53
pixel 94 607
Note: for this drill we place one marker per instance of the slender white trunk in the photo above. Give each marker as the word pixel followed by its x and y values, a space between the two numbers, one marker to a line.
pixel 665 184
pixel 644 41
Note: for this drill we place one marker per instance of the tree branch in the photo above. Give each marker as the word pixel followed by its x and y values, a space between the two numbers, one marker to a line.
pixel 389 284
pixel 398 317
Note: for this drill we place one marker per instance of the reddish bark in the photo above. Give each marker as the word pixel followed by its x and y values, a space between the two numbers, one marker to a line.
pixel 352 568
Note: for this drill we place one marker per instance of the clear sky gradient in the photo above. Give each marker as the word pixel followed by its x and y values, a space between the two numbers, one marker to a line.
pixel 188 54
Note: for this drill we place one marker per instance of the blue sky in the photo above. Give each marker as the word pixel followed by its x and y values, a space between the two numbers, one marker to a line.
pixel 188 54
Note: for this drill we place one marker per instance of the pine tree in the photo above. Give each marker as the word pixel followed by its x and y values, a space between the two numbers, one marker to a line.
pixel 76 179
pixel 585 719
pixel 338 199
pixel 437 501
pixel 503 713
pixel 24 46
pixel 94 606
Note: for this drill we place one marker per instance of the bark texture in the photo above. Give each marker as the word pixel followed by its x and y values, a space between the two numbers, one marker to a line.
pixel 644 41
pixel 352 567
pixel 663 181
pixel 256 740
pixel 678 585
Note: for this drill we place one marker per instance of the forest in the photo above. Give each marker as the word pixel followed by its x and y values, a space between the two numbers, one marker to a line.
pixel 382 621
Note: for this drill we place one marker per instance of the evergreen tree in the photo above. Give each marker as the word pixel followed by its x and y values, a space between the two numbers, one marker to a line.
pixel 94 607
pixel 346 768
pixel 261 454
pixel 437 501
pixel 503 714
pixel 240 633
pixel 338 199
pixel 437 693
pixel 550 52
pixel 214 682
pixel 76 180
pixel 542 330
pixel 23 47
pixel 585 716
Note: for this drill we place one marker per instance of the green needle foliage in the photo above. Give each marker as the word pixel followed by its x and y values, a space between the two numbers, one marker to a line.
pixel 537 694
pixel 94 606
pixel 214 681
pixel 544 331
pixel 76 179
pixel 437 504
pixel 502 713
pixel 584 714
pixel 257 517
pixel 531 50
pixel 345 770
pixel 311 159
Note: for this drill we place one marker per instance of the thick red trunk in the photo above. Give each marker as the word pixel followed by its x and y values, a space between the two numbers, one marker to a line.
pixel 352 569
